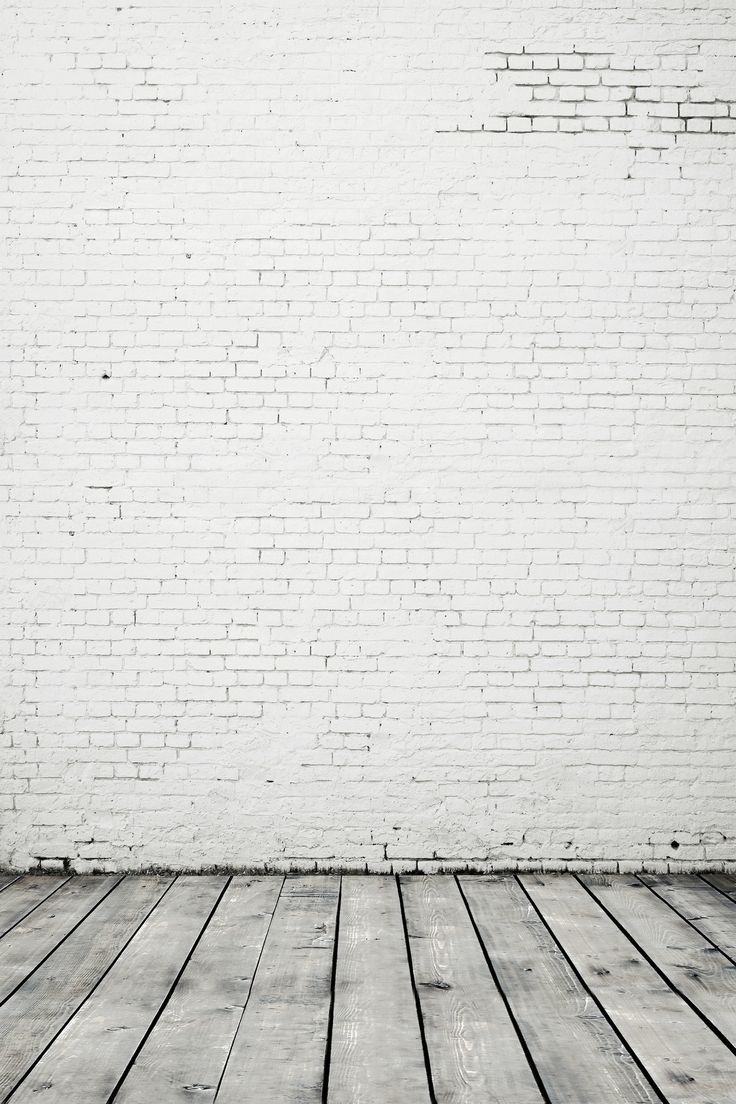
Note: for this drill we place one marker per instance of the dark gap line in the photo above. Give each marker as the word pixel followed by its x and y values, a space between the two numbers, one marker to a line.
pixel 417 1002
pixel 507 1005
pixel 33 908
pixel 728 894
pixel 167 998
pixel 63 940
pixel 692 923
pixel 11 882
pixel 250 990
pixel 84 1000
pixel 665 978
pixel 611 1023
pixel 331 1014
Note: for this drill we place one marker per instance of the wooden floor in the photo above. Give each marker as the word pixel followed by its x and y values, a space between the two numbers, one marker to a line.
pixel 515 990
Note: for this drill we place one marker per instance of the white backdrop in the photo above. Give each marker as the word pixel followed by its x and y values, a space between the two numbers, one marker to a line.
pixel 369 441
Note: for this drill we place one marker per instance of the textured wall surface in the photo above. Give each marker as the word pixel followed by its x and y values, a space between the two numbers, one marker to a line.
pixel 369 456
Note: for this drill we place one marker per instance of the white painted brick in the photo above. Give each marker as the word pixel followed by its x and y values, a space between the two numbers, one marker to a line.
pixel 368 436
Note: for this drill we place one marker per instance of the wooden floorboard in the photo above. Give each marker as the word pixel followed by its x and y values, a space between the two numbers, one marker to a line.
pixel 687 959
pixel 278 1055
pixel 376 1051
pixel 92 1053
pixel 37 1012
pixel 725 883
pixel 682 1055
pixel 579 1057
pixel 495 989
pixel 36 936
pixel 22 896
pixel 475 1051
pixel 703 906
pixel 185 1054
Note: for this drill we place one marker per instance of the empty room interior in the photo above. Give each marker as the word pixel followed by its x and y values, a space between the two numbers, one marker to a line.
pixel 368 481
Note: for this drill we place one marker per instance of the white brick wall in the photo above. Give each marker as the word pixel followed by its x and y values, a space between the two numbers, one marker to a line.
pixel 369 438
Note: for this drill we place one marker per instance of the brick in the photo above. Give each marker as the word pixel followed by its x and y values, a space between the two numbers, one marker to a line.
pixel 572 61
pixel 703 110
pixel 634 77
pixel 368 436
pixel 575 77
pixel 544 61
pixel 532 77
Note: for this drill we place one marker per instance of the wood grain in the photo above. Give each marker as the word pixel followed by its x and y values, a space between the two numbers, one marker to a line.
pixel 686 1060
pixel 88 1058
pixel 701 904
pixel 579 1057
pixel 376 1051
pixel 152 989
pixel 37 1012
pixel 22 896
pixel 185 1054
pixel 685 957
pixel 475 1052
pixel 31 940
pixel 279 1051
pixel 724 883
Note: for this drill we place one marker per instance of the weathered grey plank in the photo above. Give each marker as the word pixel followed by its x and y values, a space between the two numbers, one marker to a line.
pixel 376 1052
pixel 22 896
pixel 690 962
pixel 30 941
pixel 88 1058
pixel 701 904
pixel 6 880
pixel 279 1051
pixel 682 1055
pixel 475 1053
pixel 37 1012
pixel 579 1057
pixel 724 883
pixel 186 1052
